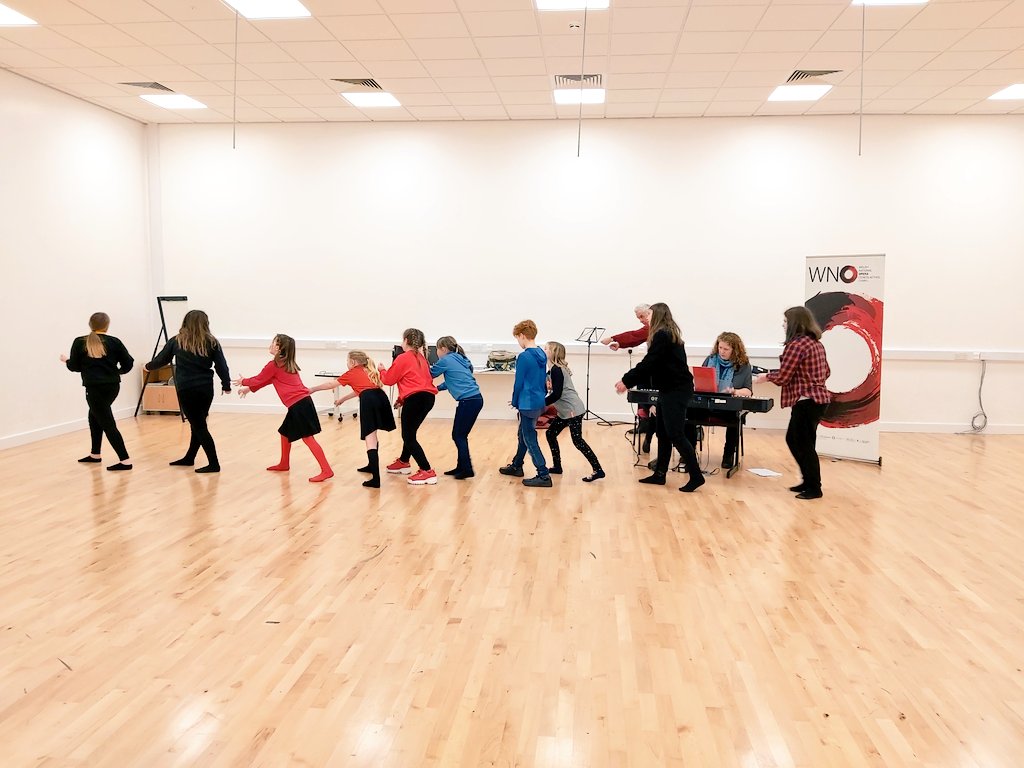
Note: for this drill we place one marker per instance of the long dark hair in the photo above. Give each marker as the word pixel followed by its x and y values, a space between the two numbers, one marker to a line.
pixel 800 322
pixel 661 320
pixel 195 336
pixel 286 353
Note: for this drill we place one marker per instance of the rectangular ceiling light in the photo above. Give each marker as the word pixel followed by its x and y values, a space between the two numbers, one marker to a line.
pixel 1010 92
pixel 889 2
pixel 11 18
pixel 799 92
pixel 579 95
pixel 372 99
pixel 270 9
pixel 173 101
pixel 572 5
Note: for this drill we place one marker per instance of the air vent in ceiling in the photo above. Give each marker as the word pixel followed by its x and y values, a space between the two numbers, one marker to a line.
pixel 578 81
pixel 151 86
pixel 368 83
pixel 805 74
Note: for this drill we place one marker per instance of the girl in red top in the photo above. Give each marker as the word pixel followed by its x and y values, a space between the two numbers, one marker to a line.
pixel 802 374
pixel 416 390
pixel 374 407
pixel 301 422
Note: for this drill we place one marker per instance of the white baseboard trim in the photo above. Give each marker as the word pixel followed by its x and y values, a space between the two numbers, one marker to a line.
pixel 948 429
pixel 23 438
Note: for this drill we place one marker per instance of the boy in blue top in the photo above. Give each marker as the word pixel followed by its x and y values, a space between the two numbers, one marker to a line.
pixel 457 370
pixel 528 395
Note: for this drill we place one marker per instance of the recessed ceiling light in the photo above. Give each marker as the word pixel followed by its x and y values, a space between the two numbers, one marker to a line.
pixel 889 2
pixel 1010 92
pixel 173 101
pixel 269 9
pixel 572 5
pixel 799 92
pixel 374 99
pixel 11 18
pixel 579 95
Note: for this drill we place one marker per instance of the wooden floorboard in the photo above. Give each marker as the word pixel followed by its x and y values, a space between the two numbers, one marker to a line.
pixel 162 618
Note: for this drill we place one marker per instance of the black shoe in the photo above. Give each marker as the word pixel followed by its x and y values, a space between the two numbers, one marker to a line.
pixel 658 478
pixel 453 472
pixel 183 462
pixel 89 460
pixel 464 474
pixel 555 471
pixel 693 484
pixel 119 467
pixel 512 470
pixel 652 464
pixel 367 469
pixel 810 494
pixel 597 475
pixel 538 482
pixel 208 469
pixel 798 488
pixel 373 482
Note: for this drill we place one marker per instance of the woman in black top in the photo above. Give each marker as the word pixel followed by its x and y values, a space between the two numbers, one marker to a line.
pixel 666 367
pixel 101 359
pixel 195 352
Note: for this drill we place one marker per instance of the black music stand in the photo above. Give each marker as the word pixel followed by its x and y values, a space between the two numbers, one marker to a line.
pixel 591 336
pixel 156 348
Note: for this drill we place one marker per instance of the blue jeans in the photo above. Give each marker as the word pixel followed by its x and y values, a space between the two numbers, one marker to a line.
pixel 465 417
pixel 528 442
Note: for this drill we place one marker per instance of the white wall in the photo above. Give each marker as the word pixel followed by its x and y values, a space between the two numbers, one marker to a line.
pixel 353 232
pixel 73 223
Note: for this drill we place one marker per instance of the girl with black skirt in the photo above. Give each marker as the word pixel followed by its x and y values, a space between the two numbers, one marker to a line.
pixel 102 360
pixel 301 421
pixel 195 352
pixel 666 367
pixel 374 407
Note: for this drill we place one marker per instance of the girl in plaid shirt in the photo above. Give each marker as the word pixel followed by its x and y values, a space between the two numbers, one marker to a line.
pixel 802 374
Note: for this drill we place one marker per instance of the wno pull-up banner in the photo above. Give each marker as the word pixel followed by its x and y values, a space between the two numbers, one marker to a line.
pixel 845 294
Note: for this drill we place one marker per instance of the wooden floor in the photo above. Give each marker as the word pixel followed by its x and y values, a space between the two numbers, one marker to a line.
pixel 163 618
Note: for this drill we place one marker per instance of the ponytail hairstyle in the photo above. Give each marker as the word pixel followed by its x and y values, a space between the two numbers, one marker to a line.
pixel 661 320
pixel 195 336
pixel 800 322
pixel 450 344
pixel 415 338
pixel 98 323
pixel 558 356
pixel 286 353
pixel 739 352
pixel 360 358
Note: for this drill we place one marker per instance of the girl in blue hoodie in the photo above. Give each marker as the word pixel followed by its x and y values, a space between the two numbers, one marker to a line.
pixel 457 370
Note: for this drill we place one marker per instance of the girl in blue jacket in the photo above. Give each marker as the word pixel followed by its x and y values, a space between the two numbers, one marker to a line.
pixel 457 370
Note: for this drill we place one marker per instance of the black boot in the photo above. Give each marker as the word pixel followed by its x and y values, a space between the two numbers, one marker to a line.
pixel 658 478
pixel 373 465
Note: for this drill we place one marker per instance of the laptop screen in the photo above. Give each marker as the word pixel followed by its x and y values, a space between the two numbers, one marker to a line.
pixel 705 379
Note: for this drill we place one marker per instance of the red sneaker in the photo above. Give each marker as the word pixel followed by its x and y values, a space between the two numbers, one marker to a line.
pixel 424 477
pixel 399 467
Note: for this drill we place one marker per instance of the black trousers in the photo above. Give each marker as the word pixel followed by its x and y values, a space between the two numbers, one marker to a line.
pixel 195 404
pixel 101 418
pixel 672 433
pixel 575 425
pixel 414 411
pixel 801 437
pixel 732 431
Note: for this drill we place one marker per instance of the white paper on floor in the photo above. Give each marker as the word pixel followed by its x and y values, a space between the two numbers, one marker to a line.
pixel 761 472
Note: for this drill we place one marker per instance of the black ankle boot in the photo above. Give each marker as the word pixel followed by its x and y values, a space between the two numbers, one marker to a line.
pixel 658 478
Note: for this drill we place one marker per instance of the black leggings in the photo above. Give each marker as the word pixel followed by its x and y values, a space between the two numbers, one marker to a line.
pixel 575 425
pixel 195 404
pixel 801 437
pixel 101 419
pixel 414 411
pixel 672 432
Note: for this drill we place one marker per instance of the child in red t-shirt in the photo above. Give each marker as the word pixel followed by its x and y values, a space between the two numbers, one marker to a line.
pixel 301 422
pixel 374 407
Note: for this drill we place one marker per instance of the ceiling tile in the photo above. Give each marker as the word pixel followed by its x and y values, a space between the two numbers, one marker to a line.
pixel 121 11
pixel 279 70
pixel 293 114
pixel 451 85
pixel 525 83
pixel 689 94
pixel 97 35
pixel 892 60
pixel 161 33
pixel 76 57
pixel 530 111
pixel 53 12
pixel 34 38
pixel 894 17
pixel 626 95
pixel 250 52
pixel 732 108
pixel 224 31
pixel 956 15
pixel 693 79
pixel 222 72
pixel 760 79
pixel 637 80
pixel 922 40
pixel 410 85
pixel 526 97
pixel 915 92
pixel 801 17
pixel 435 113
pixel 772 62
pixel 431 25
pixel 190 10
pixel 495 5
pixel 271 100
pixel 424 99
pixel 323 8
pixel 680 109
pixel 293 30
pixel 650 43
pixel 967 92
pixel 19 58
pixel 322 51
pixel 380 50
pixel 350 69
pixel 1004 40
pixel 456 68
pixel 627 110
pixel 850 41
pixel 501 23
pixel 342 115
pixel 703 62
pixel 993 77
pixel 496 112
pixel 514 47
pixel 347 28
pixel 744 94
pixel 1011 16
pixel 774 42
pixel 193 54
pixel 561 65
pixel 475 99
pixel 419 6
pixel 713 18
pixel 399 69
pixel 946 77
pixel 571 23
pixel 664 19
pixel 55 75
pixel 942 106
pixel 516 67
pixel 712 42
pixel 962 60
pixel 445 48
pixel 1014 60
pixel 316 100
pixel 638 63
pixel 568 45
